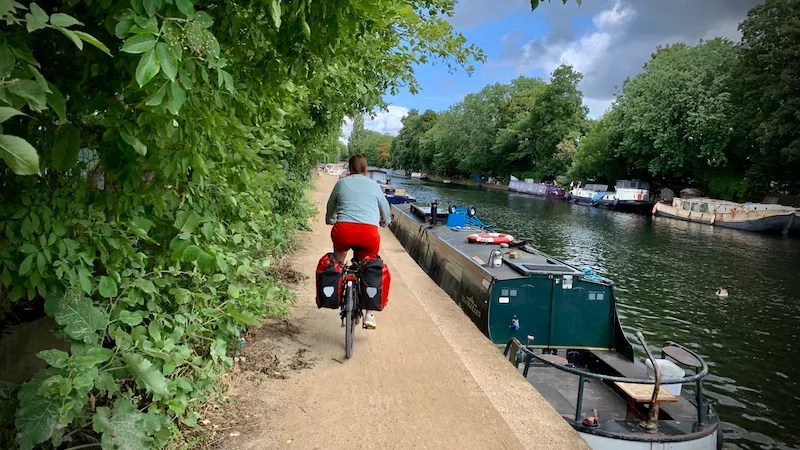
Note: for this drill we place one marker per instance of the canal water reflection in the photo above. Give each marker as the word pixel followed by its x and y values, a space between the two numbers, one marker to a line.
pixel 666 273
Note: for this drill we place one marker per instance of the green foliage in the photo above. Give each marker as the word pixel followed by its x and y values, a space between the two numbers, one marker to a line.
pixel 675 116
pixel 554 114
pixel 375 146
pixel 405 148
pixel 172 165
pixel 768 96
pixel 504 128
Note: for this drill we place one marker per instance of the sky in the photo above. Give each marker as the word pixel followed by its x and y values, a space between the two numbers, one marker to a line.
pixel 606 40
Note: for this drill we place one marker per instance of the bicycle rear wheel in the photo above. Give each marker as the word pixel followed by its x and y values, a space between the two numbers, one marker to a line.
pixel 350 325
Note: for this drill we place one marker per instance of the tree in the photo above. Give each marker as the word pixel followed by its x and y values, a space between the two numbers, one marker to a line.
pixel 356 141
pixel 675 117
pixel 595 157
pixel 405 148
pixel 767 89
pixel 554 113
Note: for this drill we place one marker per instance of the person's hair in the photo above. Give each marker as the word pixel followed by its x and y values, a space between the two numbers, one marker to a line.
pixel 358 164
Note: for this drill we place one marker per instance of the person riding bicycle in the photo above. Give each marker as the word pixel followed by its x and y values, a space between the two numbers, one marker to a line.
pixel 356 208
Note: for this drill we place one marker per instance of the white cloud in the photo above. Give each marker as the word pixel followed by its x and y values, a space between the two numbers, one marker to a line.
pixel 584 53
pixel 386 122
pixel 611 18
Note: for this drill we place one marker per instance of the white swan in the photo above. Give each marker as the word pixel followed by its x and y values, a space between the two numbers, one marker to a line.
pixel 722 293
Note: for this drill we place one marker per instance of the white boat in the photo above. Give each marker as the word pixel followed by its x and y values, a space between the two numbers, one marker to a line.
pixel 628 195
pixel 419 175
pixel 760 217
pixel 588 194
pixel 379 175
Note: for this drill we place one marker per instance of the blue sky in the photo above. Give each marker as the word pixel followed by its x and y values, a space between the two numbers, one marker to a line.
pixel 606 40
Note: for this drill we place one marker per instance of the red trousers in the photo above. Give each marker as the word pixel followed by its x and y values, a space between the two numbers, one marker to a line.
pixel 364 239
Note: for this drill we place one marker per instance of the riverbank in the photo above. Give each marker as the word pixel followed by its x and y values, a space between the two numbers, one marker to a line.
pixel 426 378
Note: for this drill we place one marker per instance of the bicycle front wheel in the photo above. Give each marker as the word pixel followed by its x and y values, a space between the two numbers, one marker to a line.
pixel 350 324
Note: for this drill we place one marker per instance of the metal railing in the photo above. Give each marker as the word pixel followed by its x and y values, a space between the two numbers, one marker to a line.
pixel 696 378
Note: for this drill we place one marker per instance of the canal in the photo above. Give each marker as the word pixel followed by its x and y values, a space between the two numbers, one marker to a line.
pixel 666 273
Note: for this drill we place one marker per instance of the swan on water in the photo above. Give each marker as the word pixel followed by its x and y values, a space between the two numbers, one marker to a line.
pixel 722 293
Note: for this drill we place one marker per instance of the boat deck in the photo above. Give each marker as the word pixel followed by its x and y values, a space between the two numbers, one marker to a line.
pixel 677 420
pixel 528 261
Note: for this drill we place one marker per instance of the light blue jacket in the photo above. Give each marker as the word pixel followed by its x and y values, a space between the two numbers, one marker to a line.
pixel 358 199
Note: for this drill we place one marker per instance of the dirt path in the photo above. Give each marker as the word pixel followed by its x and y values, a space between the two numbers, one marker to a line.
pixel 426 378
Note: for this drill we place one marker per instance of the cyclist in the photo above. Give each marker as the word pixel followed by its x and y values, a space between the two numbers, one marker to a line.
pixel 356 208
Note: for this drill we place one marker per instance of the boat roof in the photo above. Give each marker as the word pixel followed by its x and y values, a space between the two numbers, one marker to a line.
pixel 530 261
pixel 712 201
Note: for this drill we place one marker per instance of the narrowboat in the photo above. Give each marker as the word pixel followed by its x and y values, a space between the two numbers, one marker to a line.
pixel 379 175
pixel 559 325
pixel 398 173
pixel 628 196
pixel 419 176
pixel 588 194
pixel 542 189
pixel 759 217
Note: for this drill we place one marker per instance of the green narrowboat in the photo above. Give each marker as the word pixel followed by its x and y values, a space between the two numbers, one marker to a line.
pixel 561 324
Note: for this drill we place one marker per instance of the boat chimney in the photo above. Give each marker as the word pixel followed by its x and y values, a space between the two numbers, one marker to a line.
pixel 434 213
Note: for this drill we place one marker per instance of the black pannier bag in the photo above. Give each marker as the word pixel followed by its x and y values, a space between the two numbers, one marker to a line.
pixel 329 282
pixel 375 281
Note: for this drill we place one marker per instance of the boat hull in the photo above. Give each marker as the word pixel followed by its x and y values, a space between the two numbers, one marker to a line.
pixel 597 441
pixel 581 200
pixel 627 205
pixel 794 228
pixel 761 222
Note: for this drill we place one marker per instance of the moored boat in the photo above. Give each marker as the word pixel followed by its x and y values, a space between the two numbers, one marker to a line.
pixel 396 195
pixel 379 175
pixel 588 194
pixel 759 217
pixel 398 173
pixel 560 323
pixel 542 189
pixel 629 195
pixel 419 176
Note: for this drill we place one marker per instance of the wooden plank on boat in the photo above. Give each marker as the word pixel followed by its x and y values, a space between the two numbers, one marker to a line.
pixel 642 393
pixel 681 356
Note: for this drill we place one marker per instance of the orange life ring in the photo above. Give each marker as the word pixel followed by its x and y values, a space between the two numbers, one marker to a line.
pixel 489 238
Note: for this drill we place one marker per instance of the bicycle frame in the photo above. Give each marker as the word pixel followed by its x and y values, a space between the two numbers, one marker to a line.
pixel 351 310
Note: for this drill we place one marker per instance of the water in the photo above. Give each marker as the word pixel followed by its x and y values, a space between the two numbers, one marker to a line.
pixel 666 273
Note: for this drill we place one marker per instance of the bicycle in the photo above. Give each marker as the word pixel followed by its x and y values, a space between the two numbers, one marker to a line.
pixel 351 309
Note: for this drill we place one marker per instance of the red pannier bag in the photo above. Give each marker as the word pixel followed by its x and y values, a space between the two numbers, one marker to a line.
pixel 329 282
pixel 375 281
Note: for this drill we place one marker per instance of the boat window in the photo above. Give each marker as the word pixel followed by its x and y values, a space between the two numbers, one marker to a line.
pixel 597 296
pixel 512 293
pixel 504 292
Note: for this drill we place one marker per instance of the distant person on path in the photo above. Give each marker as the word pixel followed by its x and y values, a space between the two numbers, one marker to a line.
pixel 356 208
